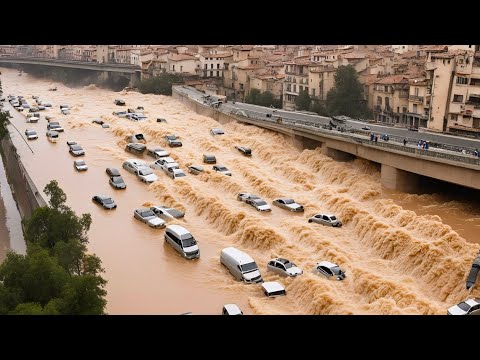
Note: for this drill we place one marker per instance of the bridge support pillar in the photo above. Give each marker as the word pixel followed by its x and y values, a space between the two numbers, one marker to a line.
pixel 134 79
pixel 337 154
pixel 103 76
pixel 393 178
pixel 303 143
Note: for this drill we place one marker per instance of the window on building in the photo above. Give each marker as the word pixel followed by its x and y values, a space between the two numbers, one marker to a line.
pixel 448 61
pixel 475 82
pixel 289 87
pixel 453 117
pixel 233 85
pixel 415 108
pixel 300 88
pixel 218 73
pixel 416 91
pixel 462 80
pixel 404 109
pixel 294 88
pixel 306 88
pixel 379 100
pixel 387 102
pixel 181 68
pixel 460 61
pixel 458 98
pixel 218 66
pixel 211 66
pixel 173 67
pixel 313 92
pixel 398 109
pixel 241 86
pixel 211 73
pixel 206 66
pixel 251 61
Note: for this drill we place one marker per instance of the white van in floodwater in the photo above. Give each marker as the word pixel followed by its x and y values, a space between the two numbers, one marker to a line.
pixel 52 136
pixel 240 265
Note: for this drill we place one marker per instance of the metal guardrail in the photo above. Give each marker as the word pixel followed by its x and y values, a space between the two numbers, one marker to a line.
pixel 315 128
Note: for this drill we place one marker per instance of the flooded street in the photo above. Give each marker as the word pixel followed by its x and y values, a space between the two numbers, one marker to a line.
pixel 403 254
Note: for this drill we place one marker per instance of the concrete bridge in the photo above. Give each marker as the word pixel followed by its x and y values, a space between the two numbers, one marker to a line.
pixel 133 71
pixel 401 166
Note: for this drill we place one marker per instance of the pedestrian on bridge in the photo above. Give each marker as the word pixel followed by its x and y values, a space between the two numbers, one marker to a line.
pixel 405 142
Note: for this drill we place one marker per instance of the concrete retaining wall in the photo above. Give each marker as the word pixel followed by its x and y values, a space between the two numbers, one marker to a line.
pixel 24 191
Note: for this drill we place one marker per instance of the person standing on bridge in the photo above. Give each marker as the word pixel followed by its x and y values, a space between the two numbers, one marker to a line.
pixel 404 141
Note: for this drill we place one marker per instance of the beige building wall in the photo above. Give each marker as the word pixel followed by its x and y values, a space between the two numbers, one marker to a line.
pixel 441 91
pixel 182 66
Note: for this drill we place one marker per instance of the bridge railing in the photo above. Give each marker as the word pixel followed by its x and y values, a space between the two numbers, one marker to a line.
pixel 316 128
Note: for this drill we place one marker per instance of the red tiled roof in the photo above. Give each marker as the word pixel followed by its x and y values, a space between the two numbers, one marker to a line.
pixel 221 55
pixel 394 79
pixel 180 57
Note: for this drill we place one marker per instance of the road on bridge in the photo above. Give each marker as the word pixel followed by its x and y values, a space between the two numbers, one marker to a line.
pixel 261 111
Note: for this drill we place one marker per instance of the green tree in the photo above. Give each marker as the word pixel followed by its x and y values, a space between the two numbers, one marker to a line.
pixel 319 107
pixel 56 194
pixel 50 225
pixel 346 97
pixel 302 101
pixel 253 97
pixel 36 277
pixel 161 84
pixel 27 309
pixel 266 99
pixel 57 275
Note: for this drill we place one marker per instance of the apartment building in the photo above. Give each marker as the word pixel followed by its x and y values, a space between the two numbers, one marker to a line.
pixel 390 96
pixel 321 79
pixel 296 80
pixel 213 63
pixel 418 102
pixel 464 101
pixel 182 63
pixel 268 82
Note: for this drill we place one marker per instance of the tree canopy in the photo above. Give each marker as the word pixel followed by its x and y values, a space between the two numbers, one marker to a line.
pixel 303 101
pixel 346 97
pixel 161 84
pixel 265 98
pixel 57 275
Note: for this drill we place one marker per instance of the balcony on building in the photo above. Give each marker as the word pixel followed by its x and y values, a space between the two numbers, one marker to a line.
pixel 416 99
pixel 473 101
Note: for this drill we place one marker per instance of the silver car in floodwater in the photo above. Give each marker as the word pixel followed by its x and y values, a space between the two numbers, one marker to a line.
pixel 148 217
pixel 467 307
pixel 330 270
pixel 284 267
pixel 325 219
pixel 288 204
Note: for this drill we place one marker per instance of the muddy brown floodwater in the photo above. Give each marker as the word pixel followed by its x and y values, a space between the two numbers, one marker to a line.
pixel 403 254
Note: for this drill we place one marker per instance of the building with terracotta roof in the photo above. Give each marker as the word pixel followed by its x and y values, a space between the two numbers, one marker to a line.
pixel 418 102
pixel 268 82
pixel 296 80
pixel 214 63
pixel 390 96
pixel 321 79
pixel 182 63
pixel 454 83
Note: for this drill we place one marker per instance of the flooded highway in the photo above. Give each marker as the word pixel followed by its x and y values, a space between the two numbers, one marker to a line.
pixel 403 253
